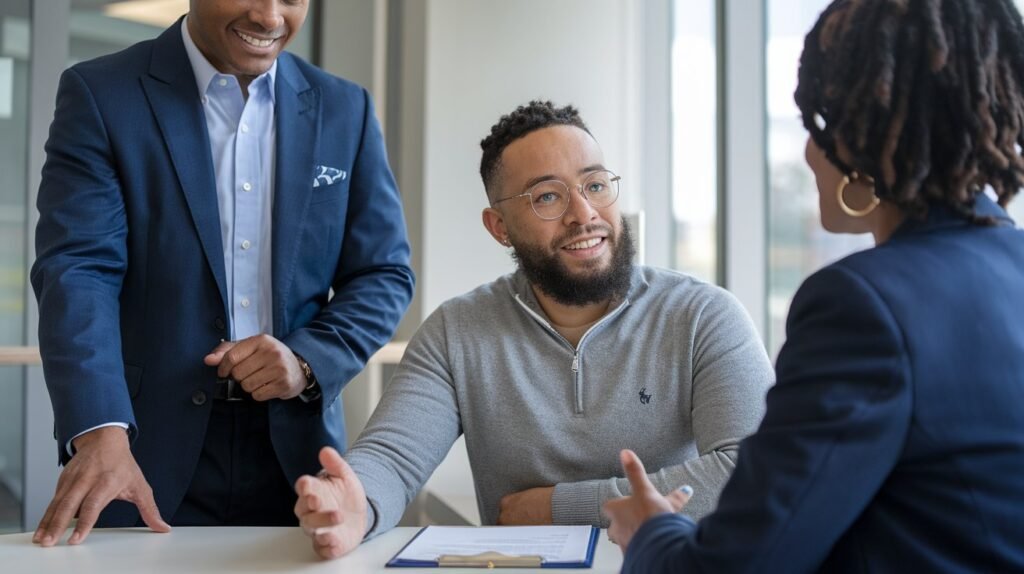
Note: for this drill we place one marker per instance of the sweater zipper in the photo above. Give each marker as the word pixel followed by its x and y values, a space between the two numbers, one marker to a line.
pixel 577 378
pixel 577 382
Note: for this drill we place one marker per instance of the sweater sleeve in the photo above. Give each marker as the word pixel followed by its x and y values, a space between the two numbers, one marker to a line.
pixel 411 430
pixel 729 378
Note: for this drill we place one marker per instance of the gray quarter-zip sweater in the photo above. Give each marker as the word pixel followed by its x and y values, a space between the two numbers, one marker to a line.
pixel 675 372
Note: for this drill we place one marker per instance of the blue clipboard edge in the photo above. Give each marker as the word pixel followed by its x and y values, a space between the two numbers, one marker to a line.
pixel 395 562
pixel 588 562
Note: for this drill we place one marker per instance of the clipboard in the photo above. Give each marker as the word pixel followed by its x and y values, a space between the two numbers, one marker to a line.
pixel 492 559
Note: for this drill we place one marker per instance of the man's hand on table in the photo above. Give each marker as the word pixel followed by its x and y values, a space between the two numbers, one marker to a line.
pixel 332 506
pixel 529 507
pixel 103 469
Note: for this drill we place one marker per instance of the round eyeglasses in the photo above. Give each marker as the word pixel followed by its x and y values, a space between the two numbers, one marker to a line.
pixel 550 198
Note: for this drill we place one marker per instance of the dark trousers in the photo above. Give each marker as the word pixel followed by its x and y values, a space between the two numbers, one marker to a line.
pixel 238 481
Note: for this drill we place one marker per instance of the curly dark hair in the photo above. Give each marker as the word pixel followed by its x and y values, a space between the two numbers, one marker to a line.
pixel 924 95
pixel 525 119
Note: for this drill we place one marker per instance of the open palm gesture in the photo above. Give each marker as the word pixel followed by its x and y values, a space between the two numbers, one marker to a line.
pixel 332 506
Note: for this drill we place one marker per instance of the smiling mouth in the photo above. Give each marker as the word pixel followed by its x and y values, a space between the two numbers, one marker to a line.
pixel 584 244
pixel 254 41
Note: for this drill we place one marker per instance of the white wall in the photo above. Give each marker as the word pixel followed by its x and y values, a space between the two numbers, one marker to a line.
pixel 485 57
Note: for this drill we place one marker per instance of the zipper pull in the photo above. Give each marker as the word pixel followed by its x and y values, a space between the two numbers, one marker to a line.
pixel 576 363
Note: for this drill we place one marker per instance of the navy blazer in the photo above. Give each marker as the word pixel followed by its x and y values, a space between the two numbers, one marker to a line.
pixel 894 437
pixel 130 273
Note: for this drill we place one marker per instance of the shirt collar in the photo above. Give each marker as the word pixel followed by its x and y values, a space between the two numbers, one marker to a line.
pixel 204 71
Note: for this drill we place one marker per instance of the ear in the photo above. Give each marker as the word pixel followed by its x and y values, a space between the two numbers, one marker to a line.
pixel 495 224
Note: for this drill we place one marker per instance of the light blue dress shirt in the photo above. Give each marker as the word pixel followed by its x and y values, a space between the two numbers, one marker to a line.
pixel 242 136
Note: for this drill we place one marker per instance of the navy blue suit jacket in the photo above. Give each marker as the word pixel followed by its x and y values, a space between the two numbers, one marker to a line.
pixel 894 438
pixel 130 273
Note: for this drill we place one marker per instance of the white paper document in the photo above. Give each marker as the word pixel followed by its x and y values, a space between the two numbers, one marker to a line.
pixel 551 543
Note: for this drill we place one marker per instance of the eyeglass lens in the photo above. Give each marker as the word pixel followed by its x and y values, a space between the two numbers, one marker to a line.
pixel 550 199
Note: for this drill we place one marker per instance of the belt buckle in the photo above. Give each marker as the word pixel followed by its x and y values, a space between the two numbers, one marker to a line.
pixel 233 391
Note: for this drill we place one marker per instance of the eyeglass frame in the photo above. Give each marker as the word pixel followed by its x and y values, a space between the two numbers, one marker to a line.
pixel 615 179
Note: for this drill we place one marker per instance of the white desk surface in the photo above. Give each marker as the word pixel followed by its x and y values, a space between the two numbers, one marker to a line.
pixel 216 549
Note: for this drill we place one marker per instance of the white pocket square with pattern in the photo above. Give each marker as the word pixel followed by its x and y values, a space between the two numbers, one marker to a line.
pixel 327 175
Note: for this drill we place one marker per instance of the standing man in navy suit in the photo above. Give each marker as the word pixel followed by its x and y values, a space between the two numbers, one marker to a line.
pixel 203 195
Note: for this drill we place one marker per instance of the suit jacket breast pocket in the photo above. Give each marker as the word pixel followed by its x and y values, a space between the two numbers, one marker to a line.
pixel 334 192
pixel 329 184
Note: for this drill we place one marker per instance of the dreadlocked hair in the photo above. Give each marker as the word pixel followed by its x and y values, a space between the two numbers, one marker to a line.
pixel 525 119
pixel 925 96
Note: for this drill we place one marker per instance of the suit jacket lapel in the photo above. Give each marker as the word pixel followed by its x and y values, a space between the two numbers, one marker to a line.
pixel 171 90
pixel 298 132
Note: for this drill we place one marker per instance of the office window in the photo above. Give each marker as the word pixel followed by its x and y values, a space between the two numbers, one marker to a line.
pixel 1016 209
pixel 797 244
pixel 694 140
pixel 14 76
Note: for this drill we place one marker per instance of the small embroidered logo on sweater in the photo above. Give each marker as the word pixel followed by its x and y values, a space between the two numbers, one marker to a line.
pixel 644 397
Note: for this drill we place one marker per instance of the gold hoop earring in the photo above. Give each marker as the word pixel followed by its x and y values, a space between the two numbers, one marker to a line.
pixel 847 180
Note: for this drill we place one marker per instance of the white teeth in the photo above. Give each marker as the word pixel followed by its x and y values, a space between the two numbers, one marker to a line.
pixel 585 244
pixel 254 41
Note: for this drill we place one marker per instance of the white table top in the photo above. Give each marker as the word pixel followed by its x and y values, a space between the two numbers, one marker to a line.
pixel 224 550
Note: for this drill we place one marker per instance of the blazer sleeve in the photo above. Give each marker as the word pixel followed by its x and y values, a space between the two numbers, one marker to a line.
pixel 374 281
pixel 835 426
pixel 79 268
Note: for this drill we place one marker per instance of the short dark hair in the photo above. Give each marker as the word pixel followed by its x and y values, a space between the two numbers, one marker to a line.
pixel 927 96
pixel 525 119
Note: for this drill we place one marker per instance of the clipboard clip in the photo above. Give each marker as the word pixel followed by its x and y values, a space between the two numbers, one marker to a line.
pixel 489 560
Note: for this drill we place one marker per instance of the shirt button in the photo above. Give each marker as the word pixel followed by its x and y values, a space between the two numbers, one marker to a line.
pixel 245 128
pixel 222 82
pixel 247 186
pixel 199 398
pixel 246 244
pixel 205 99
pixel 245 302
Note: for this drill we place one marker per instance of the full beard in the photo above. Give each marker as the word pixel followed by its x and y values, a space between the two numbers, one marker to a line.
pixel 548 273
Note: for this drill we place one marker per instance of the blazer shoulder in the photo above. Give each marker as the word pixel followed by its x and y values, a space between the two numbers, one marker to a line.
pixel 123 66
pixel 851 276
pixel 319 78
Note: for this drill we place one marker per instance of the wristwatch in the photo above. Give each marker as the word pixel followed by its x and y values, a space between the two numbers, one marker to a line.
pixel 312 390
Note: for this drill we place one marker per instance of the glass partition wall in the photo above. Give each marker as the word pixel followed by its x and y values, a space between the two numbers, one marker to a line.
pixel 15 20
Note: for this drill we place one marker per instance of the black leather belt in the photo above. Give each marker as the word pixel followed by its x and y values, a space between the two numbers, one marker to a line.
pixel 230 390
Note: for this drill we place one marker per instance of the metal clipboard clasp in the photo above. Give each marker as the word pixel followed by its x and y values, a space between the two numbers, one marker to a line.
pixel 489 560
